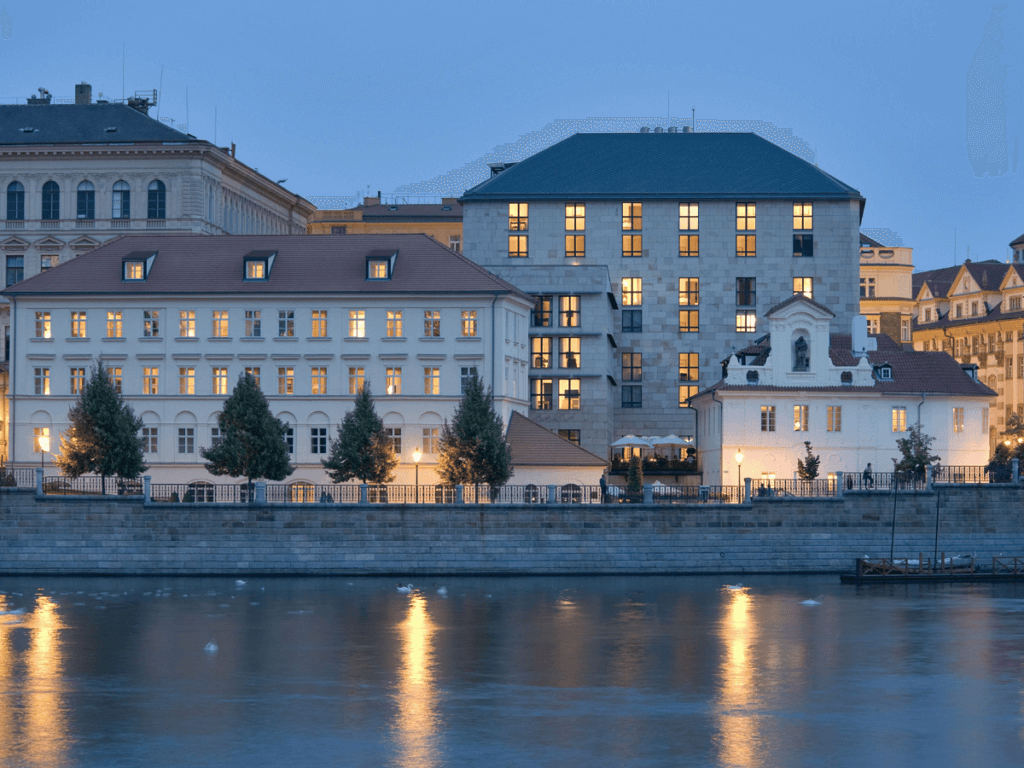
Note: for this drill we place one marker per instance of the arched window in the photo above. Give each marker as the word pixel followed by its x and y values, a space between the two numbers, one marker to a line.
pixel 157 200
pixel 15 201
pixel 122 206
pixel 86 200
pixel 51 201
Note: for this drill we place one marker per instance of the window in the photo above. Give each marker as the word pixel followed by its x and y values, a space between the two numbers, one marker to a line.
pixel 1015 303
pixel 394 323
pixel 905 329
pixel 767 418
pixel 518 247
pixel 134 270
pixel 318 324
pixel 393 381
pixel 568 394
pixel 899 419
pixel 569 311
pixel 803 216
pixel 47 261
pixel 867 289
pixel 151 381
pixel 220 381
pixel 42 381
pixel 431 381
pixel 78 326
pixel 746 246
pixel 575 246
pixel 468 323
pixel 689 320
pixel 255 269
pixel 356 378
pixel 187 324
pixel 803 246
pixel 255 373
pixel 958 420
pixel 632 291
pixel 394 436
pixel 468 374
pixel 356 323
pixel 151 322
pixel 378 269
pixel 455 243
pixel 157 200
pixel 746 217
pixel 114 325
pixel 689 246
pixel 688 218
pixel 540 350
pixel 803 286
pixel 873 325
pixel 834 416
pixel 253 323
pixel 15 269
pixel 115 378
pixel 541 394
pixel 800 413
pixel 187 381
pixel 959 307
pixel 575 217
pixel 289 439
pixel 689 291
pixel 77 380
pixel 37 433
pixel 186 440
pixel 541 316
pixel 285 323
pixel 121 201
pixel 150 439
pixel 51 201
pixel 689 374
pixel 746 292
pixel 318 380
pixel 632 366
pixel 632 321
pixel 632 217
pixel 215 437
pixel 632 246
pixel 285 381
pixel 43 327
pixel 318 440
pixel 15 201
pixel 432 323
pixel 1020 366
pixel 431 438
pixel 569 352
pixel 928 314
pixel 518 217
pixel 974 308
pixel 86 200
pixel 632 396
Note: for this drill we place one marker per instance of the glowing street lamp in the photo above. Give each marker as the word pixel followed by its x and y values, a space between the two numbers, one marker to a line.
pixel 416 456
pixel 44 446
pixel 739 471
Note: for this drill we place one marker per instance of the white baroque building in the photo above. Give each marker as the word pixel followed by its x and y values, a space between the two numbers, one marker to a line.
pixel 178 318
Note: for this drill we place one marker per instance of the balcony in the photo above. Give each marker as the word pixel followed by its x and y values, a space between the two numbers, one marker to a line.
pixel 38 225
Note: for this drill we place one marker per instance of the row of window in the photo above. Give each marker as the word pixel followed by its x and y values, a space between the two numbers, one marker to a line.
pixel 121 205
pixel 253 323
pixel 632 217
pixel 16 266
pixel 633 247
pixel 151 380
pixel 834 418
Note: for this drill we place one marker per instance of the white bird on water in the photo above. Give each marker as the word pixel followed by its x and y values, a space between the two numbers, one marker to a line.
pixel 239 583
pixel 211 647
pixel 443 591
pixel 810 602
pixel 404 590
pixel 733 587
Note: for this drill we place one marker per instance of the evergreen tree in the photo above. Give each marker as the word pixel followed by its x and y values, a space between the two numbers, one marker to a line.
pixel 999 468
pixel 915 450
pixel 807 468
pixel 252 443
pixel 635 479
pixel 362 449
pixel 104 434
pixel 472 448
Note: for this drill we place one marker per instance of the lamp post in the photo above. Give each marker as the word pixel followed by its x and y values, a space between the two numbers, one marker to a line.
pixel 44 446
pixel 416 456
pixel 739 472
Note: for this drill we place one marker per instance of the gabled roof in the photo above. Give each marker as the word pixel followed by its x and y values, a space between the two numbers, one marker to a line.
pixel 305 264
pixel 1018 241
pixel 987 274
pixel 939 280
pixel 533 445
pixel 799 297
pixel 594 166
pixel 867 241
pixel 83 124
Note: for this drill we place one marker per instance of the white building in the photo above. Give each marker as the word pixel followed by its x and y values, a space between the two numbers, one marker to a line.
pixel 851 397
pixel 178 318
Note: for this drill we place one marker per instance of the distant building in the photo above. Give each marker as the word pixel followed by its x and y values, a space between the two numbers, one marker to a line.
pixel 177 319
pixel 886 288
pixel 851 397
pixel 442 221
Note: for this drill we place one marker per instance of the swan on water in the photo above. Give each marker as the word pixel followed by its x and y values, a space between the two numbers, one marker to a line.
pixel 443 591
pixel 404 590
pixel 733 587
pixel 211 647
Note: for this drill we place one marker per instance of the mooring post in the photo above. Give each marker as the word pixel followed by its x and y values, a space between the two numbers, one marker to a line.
pixel 147 493
pixel 552 495
pixel 839 484
pixel 648 493
pixel 363 496
pixel 460 497
pixel 39 481
pixel 747 481
pixel 261 492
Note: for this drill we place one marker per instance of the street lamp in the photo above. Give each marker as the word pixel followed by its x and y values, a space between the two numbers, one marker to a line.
pixel 416 456
pixel 44 446
pixel 739 472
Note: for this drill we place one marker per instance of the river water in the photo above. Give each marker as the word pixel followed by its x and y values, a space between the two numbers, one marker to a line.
pixel 609 671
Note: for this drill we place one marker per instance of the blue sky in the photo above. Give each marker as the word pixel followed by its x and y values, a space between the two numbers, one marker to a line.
pixel 343 98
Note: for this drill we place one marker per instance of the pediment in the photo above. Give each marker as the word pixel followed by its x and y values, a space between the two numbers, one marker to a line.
pixel 15 244
pixel 84 243
pixel 49 243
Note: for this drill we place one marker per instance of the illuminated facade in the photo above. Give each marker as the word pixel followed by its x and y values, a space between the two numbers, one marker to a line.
pixel 442 221
pixel 886 289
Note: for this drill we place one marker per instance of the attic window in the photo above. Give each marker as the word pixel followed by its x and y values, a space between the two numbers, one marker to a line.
pixel 380 264
pixel 135 270
pixel 136 266
pixel 258 264
pixel 446 207
pixel 752 377
pixel 884 372
pixel 392 207
pixel 111 129
pixel 378 270
pixel 846 377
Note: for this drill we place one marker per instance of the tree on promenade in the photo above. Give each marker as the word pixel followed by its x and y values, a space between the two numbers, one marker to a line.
pixel 252 443
pixel 915 451
pixel 362 449
pixel 635 479
pixel 807 467
pixel 104 434
pixel 472 449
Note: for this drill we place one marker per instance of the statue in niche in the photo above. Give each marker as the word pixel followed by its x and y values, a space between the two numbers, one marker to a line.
pixel 803 359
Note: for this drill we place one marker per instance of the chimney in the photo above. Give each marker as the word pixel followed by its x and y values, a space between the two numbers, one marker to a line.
pixel 659 129
pixel 232 150
pixel 645 129
pixel 42 98
pixel 673 129
pixel 372 200
pixel 83 93
pixel 687 129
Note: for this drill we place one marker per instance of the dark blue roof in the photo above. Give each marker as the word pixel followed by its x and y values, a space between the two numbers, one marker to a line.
pixel 82 124
pixel 662 165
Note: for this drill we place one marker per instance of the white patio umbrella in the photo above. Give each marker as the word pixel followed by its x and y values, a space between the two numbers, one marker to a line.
pixel 672 440
pixel 631 440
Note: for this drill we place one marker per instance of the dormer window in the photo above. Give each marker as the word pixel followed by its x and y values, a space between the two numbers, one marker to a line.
pixel 380 264
pixel 378 270
pixel 258 264
pixel 136 265
pixel 134 270
pixel 883 372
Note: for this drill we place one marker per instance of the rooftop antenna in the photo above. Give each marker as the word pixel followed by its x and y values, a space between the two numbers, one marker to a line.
pixel 214 126
pixel 122 72
pixel 954 246
pixel 693 122
pixel 186 109
pixel 161 90
pixel 668 96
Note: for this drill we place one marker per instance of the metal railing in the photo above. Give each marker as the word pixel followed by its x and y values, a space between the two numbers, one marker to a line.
pixel 795 488
pixel 885 481
pixel 90 486
pixel 954 474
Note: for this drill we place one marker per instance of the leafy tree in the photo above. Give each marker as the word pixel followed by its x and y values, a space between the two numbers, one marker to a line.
pixel 915 450
pixel 635 478
pixel 362 449
pixel 472 448
pixel 104 434
pixel 999 468
pixel 252 443
pixel 807 468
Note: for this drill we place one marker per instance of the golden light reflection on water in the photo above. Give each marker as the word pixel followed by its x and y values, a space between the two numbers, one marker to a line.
pixel 738 728
pixel 416 724
pixel 33 724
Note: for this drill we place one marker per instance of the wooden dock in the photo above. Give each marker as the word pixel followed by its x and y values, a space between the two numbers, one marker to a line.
pixel 943 568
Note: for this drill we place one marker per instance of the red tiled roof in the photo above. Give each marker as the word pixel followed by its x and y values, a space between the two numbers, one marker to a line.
pixel 533 445
pixel 1018 241
pixel 203 264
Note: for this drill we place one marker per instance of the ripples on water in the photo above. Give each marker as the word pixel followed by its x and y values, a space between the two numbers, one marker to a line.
pixel 508 672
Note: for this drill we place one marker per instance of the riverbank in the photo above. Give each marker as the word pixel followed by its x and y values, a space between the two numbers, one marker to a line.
pixel 123 536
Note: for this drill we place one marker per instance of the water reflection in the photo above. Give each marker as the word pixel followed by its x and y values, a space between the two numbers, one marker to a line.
pixel 416 724
pixel 738 727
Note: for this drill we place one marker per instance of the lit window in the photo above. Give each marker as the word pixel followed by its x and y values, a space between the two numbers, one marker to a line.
pixel 689 246
pixel 572 435
pixel 186 440
pixel 285 323
pixel 803 216
pixel 689 291
pixel 746 217
pixel 151 322
pixel 150 439
pixel 318 380
pixel 356 377
pixel 220 323
pixel 318 323
pixel 540 348
pixel 43 326
pixel 115 378
pixel 632 291
pixel 541 394
pixel 575 246
pixel 899 419
pixel 575 218
pixel 255 269
pixel 318 440
pixel 468 323
pixel 356 323
pixel 77 380
pixel 569 311
pixel 285 381
pixel 834 414
pixel 432 323
pixel 569 352
pixel 958 420
pixel 150 381
pixel 632 217
pixel 394 323
pixel 746 321
pixel 800 413
pixel 134 270
pixel 688 218
pixel 253 323
pixel 220 381
pixel 632 246
pixel 746 246
pixel 78 326
pixel 689 374
pixel 431 381
pixel 394 436
pixel 186 381
pixel 431 437
pixel 378 270
pixel 518 217
pixel 632 366
pixel 767 418
pixel 803 286
pixel 867 289
pixel 47 261
pixel 541 315
pixel 689 320
pixel 187 324
pixel 114 325
pixel 393 381
pixel 568 394
pixel 37 433
pixel 518 247
pixel 255 373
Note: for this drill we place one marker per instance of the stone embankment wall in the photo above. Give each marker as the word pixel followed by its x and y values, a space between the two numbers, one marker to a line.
pixel 122 536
